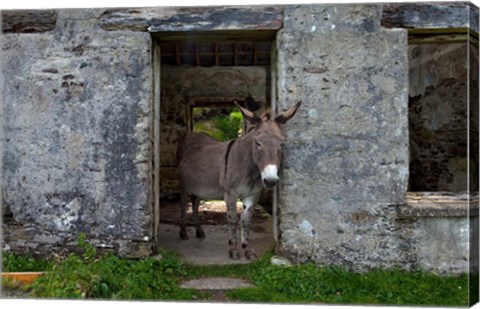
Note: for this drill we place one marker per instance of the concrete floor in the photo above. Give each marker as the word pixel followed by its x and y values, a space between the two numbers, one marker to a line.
pixel 213 250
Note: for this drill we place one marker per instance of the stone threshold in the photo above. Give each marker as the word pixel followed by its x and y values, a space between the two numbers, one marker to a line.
pixel 216 284
pixel 439 204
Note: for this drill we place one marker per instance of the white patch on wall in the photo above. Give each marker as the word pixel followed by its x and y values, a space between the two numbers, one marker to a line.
pixel 306 228
pixel 65 221
pixel 312 114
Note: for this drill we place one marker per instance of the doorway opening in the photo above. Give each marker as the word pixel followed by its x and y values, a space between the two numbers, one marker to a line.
pixel 200 77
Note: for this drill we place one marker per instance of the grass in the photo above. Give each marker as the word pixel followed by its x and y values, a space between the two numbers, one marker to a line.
pixel 110 277
pixel 13 263
pixel 309 283
pixel 220 127
pixel 333 285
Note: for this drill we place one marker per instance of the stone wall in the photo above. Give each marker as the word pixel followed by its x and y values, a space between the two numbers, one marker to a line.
pixel 346 153
pixel 76 142
pixel 182 84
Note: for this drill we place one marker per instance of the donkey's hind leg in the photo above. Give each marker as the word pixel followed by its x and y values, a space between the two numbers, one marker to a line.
pixel 183 209
pixel 196 219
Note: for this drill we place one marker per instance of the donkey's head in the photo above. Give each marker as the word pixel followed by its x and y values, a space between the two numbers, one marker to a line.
pixel 267 140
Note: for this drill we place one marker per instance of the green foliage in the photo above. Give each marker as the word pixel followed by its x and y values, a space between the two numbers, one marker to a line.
pixel 86 275
pixel 16 263
pixel 110 277
pixel 218 126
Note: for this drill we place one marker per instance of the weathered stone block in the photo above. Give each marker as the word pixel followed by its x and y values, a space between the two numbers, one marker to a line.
pixel 76 148
pixel 346 154
pixel 439 241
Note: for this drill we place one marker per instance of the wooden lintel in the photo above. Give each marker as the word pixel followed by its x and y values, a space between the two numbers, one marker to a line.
pixel 28 21
pixel 430 15
pixel 195 19
pixel 442 36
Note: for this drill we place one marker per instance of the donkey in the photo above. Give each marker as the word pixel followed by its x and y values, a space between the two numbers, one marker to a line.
pixel 236 169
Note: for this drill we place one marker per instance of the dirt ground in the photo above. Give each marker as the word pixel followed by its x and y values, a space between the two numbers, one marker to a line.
pixel 210 212
pixel 213 249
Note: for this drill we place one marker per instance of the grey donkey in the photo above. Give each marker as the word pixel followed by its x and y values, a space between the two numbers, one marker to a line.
pixel 232 170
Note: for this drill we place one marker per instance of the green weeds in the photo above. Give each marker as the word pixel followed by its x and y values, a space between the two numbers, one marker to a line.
pixel 13 263
pixel 88 276
pixel 111 277
pixel 311 284
pixel 220 127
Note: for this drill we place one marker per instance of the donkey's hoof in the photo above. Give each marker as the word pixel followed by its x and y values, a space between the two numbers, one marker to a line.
pixel 234 254
pixel 183 234
pixel 200 234
pixel 250 255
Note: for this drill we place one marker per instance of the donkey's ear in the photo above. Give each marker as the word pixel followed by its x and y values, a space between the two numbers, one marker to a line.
pixel 285 116
pixel 248 114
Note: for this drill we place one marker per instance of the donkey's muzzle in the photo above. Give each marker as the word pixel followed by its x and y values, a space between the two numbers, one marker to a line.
pixel 270 176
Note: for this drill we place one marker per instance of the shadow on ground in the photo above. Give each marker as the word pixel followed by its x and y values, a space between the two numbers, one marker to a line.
pixel 213 250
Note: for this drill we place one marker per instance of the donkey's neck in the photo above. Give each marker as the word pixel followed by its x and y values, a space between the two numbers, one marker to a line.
pixel 241 151
pixel 240 168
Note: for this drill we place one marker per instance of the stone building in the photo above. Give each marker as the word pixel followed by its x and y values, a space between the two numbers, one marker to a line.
pixel 95 102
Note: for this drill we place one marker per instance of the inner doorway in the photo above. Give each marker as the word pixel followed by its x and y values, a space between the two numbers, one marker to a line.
pixel 206 73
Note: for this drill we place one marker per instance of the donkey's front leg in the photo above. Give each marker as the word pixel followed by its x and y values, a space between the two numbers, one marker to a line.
pixel 232 219
pixel 196 218
pixel 246 219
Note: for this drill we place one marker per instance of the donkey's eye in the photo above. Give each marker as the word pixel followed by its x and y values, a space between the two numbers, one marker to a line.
pixel 258 144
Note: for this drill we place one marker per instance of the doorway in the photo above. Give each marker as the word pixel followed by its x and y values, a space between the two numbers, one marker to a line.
pixel 206 73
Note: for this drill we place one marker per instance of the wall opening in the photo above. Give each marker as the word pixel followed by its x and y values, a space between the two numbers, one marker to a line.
pixel 217 117
pixel 201 75
pixel 442 120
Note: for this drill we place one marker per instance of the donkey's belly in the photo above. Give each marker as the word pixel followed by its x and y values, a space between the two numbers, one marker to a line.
pixel 203 187
pixel 207 193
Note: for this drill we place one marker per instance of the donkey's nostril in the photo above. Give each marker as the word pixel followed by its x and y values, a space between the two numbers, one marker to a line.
pixel 270 182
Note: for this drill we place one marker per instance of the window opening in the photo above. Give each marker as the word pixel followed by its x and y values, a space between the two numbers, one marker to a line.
pixel 442 125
